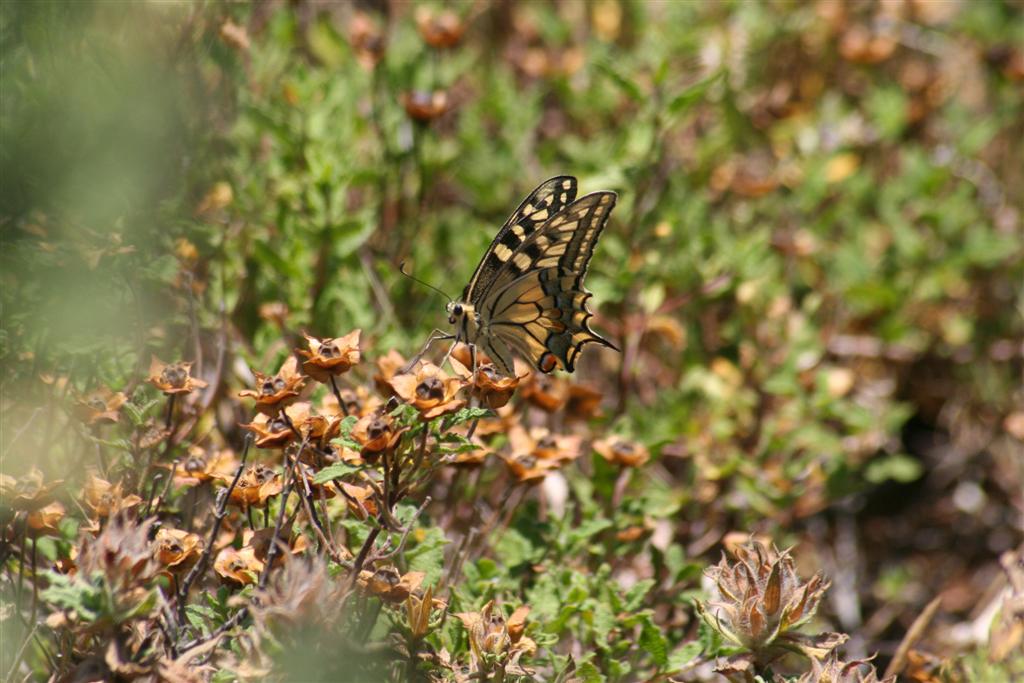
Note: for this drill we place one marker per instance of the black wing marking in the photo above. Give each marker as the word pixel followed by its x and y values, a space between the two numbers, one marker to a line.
pixel 546 201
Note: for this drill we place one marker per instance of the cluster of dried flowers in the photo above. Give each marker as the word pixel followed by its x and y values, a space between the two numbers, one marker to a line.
pixel 301 526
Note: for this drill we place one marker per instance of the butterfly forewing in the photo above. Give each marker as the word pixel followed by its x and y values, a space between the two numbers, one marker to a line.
pixel 528 289
pixel 546 201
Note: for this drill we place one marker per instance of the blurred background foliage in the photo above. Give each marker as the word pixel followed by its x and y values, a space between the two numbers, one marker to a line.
pixel 815 270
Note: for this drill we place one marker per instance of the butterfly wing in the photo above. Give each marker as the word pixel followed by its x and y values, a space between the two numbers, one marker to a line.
pixel 547 200
pixel 535 302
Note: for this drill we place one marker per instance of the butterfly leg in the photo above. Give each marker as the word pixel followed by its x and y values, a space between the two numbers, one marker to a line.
pixel 436 335
pixel 472 396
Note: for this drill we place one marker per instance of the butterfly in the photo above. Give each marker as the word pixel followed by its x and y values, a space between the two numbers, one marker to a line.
pixel 527 296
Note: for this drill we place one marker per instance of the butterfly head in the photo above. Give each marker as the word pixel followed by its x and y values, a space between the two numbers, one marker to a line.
pixel 457 310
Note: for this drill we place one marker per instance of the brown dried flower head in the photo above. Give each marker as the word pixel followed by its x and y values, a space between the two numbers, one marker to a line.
pixel 238 566
pixel 547 392
pixel 425 106
pixel 122 554
pixel 274 392
pixel 270 432
pixel 256 485
pixel 492 636
pixel 302 594
pixel 30 491
pixel 367 40
pixel 619 451
pixel 584 402
pixel 493 389
pixel 390 586
pixel 102 405
pixel 430 390
pixel 376 434
pixel 45 521
pixel 260 540
pixel 105 499
pixel 176 549
pixel 759 601
pixel 174 378
pixel 440 30
pixel 360 499
pixel 330 357
pixel 203 465
pixel 419 609
pixel 388 365
pixel 529 468
pixel 358 402
pixel 543 445
pixel 832 670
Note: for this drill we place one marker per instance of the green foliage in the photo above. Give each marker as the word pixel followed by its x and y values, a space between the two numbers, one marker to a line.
pixel 814 272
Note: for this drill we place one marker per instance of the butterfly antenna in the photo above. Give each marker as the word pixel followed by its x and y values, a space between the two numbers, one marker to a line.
pixel 401 269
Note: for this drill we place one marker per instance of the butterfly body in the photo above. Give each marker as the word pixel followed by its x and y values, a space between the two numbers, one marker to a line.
pixel 527 295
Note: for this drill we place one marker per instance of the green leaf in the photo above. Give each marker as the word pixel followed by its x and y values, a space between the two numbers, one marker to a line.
pixel 636 593
pixel 588 673
pixel 428 555
pixel 631 88
pixel 684 655
pixel 467 414
pixel 653 642
pixel 335 471
pixel 900 468
pixel 692 94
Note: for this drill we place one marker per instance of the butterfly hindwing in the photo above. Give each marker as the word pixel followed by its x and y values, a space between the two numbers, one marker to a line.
pixel 535 303
pixel 547 200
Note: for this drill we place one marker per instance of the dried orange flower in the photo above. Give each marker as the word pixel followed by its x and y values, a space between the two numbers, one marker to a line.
pixel 358 402
pixel 418 609
pixel 547 392
pixel 259 541
pixel 584 402
pixel 619 451
pixel 493 637
pixel 529 468
pixel 173 378
pixel 177 549
pixel 202 465
pixel 318 429
pixel 360 499
pixel 27 492
pixel 256 485
pixel 759 601
pixel 388 585
pixel 492 388
pixel 271 432
pixel 441 30
pixel 541 444
pixel 102 405
pixel 388 365
pixel 831 670
pixel 425 106
pixel 376 434
pixel 121 554
pixel 274 312
pixel 430 391
pixel 238 566
pixel 45 521
pixel 367 40
pixel 106 499
pixel 276 391
pixel 330 357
